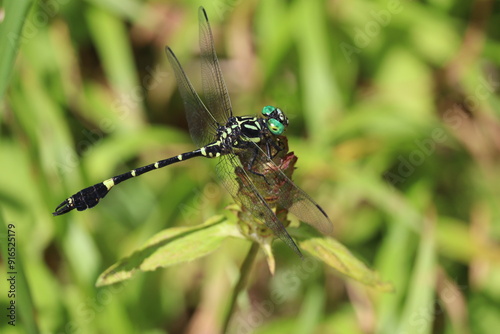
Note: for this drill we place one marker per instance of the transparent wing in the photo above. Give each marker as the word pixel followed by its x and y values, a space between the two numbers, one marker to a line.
pixel 280 188
pixel 214 88
pixel 302 206
pixel 248 196
pixel 202 124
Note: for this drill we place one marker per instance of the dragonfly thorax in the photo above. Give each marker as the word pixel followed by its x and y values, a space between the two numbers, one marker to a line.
pixel 241 131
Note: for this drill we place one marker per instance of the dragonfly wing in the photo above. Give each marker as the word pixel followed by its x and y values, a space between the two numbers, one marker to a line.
pixel 305 208
pixel 214 88
pixel 287 194
pixel 243 190
pixel 202 124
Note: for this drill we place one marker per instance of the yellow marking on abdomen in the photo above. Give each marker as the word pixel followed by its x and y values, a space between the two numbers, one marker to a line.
pixel 133 173
pixel 179 157
pixel 157 164
pixel 109 183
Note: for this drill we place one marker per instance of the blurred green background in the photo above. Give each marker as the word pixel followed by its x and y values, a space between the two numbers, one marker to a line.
pixel 394 114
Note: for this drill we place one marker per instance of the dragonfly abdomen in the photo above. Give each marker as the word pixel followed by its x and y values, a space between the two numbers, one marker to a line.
pixel 90 197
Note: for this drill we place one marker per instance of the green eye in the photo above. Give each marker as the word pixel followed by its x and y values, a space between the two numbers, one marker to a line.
pixel 267 110
pixel 275 126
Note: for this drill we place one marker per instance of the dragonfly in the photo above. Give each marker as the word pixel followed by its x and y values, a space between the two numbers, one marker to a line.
pixel 242 144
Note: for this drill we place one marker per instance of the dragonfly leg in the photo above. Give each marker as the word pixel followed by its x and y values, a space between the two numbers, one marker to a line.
pixel 276 145
pixel 250 166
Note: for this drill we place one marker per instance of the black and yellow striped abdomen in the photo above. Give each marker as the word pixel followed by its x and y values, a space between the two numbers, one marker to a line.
pixel 237 133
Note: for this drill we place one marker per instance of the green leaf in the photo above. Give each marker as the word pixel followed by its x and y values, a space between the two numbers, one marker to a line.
pixel 421 291
pixel 171 246
pixel 338 256
pixel 11 26
pixel 113 46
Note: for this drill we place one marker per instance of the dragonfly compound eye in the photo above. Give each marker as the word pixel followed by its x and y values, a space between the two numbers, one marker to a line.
pixel 275 126
pixel 268 110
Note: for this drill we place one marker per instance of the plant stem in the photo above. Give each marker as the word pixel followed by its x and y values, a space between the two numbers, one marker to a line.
pixel 244 274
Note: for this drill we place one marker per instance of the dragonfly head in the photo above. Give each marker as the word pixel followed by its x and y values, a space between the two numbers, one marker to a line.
pixel 276 120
